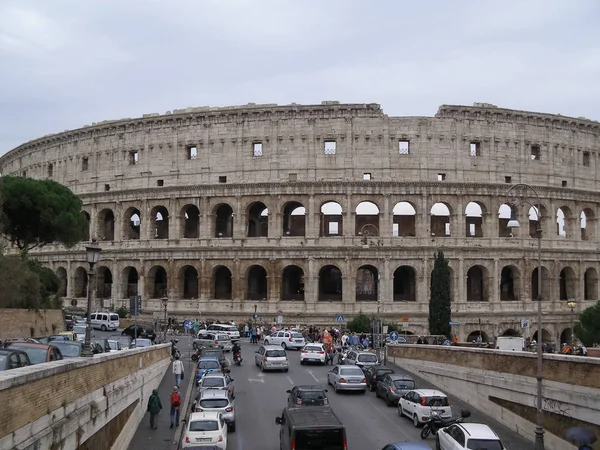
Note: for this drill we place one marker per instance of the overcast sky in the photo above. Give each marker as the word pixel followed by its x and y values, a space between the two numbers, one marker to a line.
pixel 67 63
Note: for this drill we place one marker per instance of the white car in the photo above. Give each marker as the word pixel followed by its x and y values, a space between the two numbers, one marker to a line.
pixel 417 405
pixel 313 353
pixel 206 428
pixel 286 339
pixel 463 436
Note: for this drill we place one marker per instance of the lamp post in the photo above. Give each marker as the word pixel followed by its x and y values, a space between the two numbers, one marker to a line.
pixel 164 302
pixel 514 223
pixel 92 253
pixel 572 304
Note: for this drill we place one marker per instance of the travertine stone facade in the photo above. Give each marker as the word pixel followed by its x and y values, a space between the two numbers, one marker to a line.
pixel 325 209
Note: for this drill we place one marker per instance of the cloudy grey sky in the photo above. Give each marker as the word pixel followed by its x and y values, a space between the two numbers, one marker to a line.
pixel 67 63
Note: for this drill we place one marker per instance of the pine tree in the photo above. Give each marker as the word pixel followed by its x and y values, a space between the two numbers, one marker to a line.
pixel 439 303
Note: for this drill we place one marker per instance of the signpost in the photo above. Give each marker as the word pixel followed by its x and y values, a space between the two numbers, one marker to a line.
pixel 135 308
pixel 279 317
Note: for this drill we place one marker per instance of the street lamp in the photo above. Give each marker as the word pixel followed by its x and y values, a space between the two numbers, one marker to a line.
pixel 572 304
pixel 165 301
pixel 92 253
pixel 514 223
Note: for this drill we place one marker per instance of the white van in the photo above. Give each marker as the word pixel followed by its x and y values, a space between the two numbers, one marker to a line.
pixel 230 330
pixel 105 321
pixel 510 344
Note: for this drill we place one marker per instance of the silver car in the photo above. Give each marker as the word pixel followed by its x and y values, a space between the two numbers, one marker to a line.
pixel 271 357
pixel 218 401
pixel 225 342
pixel 347 378
pixel 221 381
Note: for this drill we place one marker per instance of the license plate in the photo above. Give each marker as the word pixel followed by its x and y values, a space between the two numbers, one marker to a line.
pixel 298 341
pixel 203 440
pixel 354 381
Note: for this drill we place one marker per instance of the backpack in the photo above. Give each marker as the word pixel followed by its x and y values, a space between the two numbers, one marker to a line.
pixel 175 399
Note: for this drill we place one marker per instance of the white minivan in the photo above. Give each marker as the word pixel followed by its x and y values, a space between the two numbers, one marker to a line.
pixel 105 321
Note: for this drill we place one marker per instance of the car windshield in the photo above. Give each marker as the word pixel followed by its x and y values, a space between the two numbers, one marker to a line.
pixel 214 403
pixel 2 361
pixel 143 343
pixel 80 330
pixel 204 425
pixel 484 444
pixel 351 371
pixel 323 439
pixel 213 382
pixel 223 337
pixel 36 355
pixel 114 345
pixel 114 317
pixel 404 384
pixel 208 364
pixel 313 348
pixel 214 353
pixel 276 353
pixel 230 329
pixel 367 358
pixel 436 401
pixel 312 395
pixel 297 335
pixel 68 350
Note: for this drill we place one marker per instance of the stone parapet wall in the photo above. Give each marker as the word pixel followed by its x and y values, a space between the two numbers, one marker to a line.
pixel 24 323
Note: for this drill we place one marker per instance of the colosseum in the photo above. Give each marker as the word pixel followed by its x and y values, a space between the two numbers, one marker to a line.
pixel 324 210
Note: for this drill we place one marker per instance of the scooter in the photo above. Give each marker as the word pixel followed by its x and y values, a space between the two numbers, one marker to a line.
pixel 175 353
pixel 435 422
pixel 237 358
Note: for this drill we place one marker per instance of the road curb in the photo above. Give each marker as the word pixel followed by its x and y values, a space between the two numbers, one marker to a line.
pixel 179 432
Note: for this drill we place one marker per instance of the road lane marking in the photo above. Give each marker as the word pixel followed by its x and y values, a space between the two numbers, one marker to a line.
pixel 256 380
pixel 261 374
pixel 290 380
pixel 313 375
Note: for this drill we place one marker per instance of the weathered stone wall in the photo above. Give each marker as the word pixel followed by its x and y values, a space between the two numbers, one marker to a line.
pixel 23 323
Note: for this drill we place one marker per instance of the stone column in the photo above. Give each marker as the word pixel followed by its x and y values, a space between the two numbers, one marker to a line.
pixel 349 218
pixel 385 219
pixel 146 222
pixel 94 223
pixel 312 287
pixel 422 279
pixel 386 283
pixel 70 280
pixel 118 213
pixel 458 221
pixel 175 220
pixel 461 280
pixel 240 220
pixel 276 225
pixel 312 217
pixel 496 280
pixel 207 220
pixel 274 281
pixel 423 219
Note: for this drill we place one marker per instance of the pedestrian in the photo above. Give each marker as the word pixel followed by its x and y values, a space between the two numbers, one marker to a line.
pixel 254 330
pixel 178 370
pixel 175 407
pixel 154 407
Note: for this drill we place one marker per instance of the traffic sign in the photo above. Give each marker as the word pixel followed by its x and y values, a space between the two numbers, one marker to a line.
pixel 339 318
pixel 525 323
pixel 279 313
pixel 405 319
pixel 394 336
pixel 405 324
pixel 255 316
pixel 279 320
pixel 453 323
pixel 188 325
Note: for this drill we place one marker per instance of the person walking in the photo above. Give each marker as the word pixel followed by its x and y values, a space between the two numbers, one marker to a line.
pixel 154 407
pixel 175 406
pixel 178 370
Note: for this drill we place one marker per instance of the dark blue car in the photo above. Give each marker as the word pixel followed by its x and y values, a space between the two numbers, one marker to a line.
pixel 207 365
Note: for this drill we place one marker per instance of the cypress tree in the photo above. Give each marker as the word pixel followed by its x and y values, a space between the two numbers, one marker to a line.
pixel 439 303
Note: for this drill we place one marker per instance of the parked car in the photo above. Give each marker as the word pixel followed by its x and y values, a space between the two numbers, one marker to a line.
pixel 271 357
pixel 347 378
pixel 308 395
pixel 38 353
pixel 143 331
pixel 391 387
pixel 229 330
pixel 313 353
pixel 286 339
pixel 417 404
pixel 221 381
pixel 360 358
pixel 213 340
pixel 206 365
pixel 105 321
pixel 215 400
pixel 467 436
pixel 115 346
pixel 69 349
pixel 205 430
pixel 13 359
pixel 375 373
pixel 79 331
pixel 123 340
pixel 215 353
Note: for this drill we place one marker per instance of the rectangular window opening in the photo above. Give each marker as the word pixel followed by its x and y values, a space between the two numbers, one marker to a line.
pixel 222 179
pixel 586 159
pixel 441 177
pixel 475 149
pixel 366 176
pixel 508 179
pixel 472 231
pixel 536 153
pixel 50 169
pixel 330 147
pixel 333 228
pixel 84 163
pixel 134 157
pixel 293 177
pixel 24 174
pixel 192 152
pixel 160 182
pixel 107 187
pixel 564 183
pixel 404 147
pixel 257 149
pixel 395 230
pixel 447 229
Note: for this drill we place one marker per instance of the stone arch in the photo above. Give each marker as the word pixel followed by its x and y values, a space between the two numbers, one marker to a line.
pixel 478 284
pixel 332 219
pixel 223 220
pixel 504 213
pixel 405 284
pixel 80 283
pixel 367 219
pixel 292 283
pixel 104 282
pixel 510 283
pixel 63 282
pixel 257 286
pixel 588 224
pixel 546 337
pixel 132 221
pixel 160 217
pixel 330 283
pixel 511 332
pixel 222 283
pixel 188 282
pixel 88 221
pixel 106 225
pixel 474 336
pixel 190 215
pixel 294 219
pixel 258 220
pixel 440 220
pixel 567 336
pixel 404 220
pixel 157 282
pixel 367 283
pixel 545 284
pixel 475 212
pixel 534 218
pixel 130 281
pixel 564 222
pixel 590 284
pixel 567 283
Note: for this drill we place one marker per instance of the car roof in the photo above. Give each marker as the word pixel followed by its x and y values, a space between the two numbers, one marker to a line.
pixel 399 376
pixel 411 446
pixel 272 347
pixel 479 431
pixel 209 358
pixel 214 393
pixel 321 415
pixel 309 387
pixel 30 345
pixel 211 415
pixel 429 392
pixel 8 350
pixel 214 375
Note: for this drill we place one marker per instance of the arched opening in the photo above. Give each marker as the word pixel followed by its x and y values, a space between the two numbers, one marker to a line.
pixel 86 235
pixel 534 217
pixel 188 277
pixel 405 284
pixel 80 283
pixel 332 221
pixel 440 220
pixel 474 213
pixel 132 223
pixel 567 284
pixel 224 221
pixel 367 281
pixel 257 288
pixel 478 336
pixel 330 284
pixel 191 222
pixel 545 291
pixel 546 337
pixel 509 283
pixel 566 336
pixel 103 282
pixel 222 285
pixel 587 224
pixel 367 219
pixel 160 215
pixel 292 283
pixel 294 219
pixel 106 225
pixel 157 280
pixel 503 217
pixel 404 220
pixel 130 281
pixel 61 273
pixel 590 284
pixel 258 220
pixel 511 332
pixel 477 284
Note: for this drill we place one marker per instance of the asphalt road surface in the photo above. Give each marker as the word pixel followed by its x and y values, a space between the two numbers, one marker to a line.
pixel 370 424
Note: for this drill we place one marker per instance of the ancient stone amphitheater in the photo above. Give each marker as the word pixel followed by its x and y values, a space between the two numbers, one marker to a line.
pixel 314 211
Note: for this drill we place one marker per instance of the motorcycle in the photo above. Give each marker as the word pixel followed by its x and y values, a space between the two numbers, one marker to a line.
pixel 237 358
pixel 175 353
pixel 435 422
